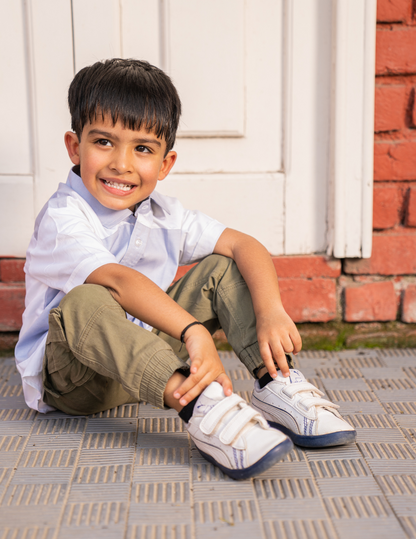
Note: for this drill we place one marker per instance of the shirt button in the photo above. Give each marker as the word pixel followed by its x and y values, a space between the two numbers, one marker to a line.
pixel 138 242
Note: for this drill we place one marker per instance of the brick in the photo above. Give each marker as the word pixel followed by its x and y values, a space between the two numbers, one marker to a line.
pixel 386 207
pixel 409 305
pixel 390 108
pixel 306 266
pixel 8 340
pixel 309 300
pixel 395 160
pixel 11 270
pixel 412 108
pixel 12 304
pixel 393 254
pixel 393 10
pixel 374 302
pixel 411 208
pixel 396 51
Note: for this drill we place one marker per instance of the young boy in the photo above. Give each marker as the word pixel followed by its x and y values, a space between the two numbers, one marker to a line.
pixel 102 325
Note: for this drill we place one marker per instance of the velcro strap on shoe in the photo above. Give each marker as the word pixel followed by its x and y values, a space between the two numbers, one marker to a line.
pixel 309 402
pixel 244 416
pixel 214 416
pixel 291 389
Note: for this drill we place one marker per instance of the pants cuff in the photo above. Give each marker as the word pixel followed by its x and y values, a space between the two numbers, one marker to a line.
pixel 251 358
pixel 156 375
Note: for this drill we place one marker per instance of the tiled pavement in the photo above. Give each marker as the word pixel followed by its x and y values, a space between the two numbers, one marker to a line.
pixel 133 473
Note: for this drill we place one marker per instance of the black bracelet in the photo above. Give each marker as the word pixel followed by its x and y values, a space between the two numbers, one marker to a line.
pixel 186 329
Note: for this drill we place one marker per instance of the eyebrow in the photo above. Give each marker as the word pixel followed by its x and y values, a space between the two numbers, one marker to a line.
pixel 106 134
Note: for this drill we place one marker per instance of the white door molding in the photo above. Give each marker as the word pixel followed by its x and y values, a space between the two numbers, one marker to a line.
pixel 351 181
pixel 307 87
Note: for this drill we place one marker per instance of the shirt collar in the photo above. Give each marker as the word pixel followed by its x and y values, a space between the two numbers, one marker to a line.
pixel 108 217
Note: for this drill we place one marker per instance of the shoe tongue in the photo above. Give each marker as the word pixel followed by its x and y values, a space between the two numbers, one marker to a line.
pixel 214 392
pixel 295 377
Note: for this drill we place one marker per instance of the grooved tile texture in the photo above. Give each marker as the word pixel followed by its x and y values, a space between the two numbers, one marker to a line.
pixel 133 473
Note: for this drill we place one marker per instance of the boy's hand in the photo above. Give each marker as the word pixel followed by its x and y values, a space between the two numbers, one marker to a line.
pixel 277 334
pixel 206 366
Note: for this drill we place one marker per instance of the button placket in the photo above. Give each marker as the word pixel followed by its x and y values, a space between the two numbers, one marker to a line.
pixel 137 246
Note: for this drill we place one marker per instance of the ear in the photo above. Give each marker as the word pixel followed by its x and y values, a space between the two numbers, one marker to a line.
pixel 72 146
pixel 167 165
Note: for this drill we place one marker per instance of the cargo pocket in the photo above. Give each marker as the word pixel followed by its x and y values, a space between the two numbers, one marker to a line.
pixel 62 372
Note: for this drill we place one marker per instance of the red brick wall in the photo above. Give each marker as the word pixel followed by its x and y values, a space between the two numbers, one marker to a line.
pixel 12 294
pixel 316 288
pixel 381 288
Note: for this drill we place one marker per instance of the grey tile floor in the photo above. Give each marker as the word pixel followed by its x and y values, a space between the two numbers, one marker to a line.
pixel 133 473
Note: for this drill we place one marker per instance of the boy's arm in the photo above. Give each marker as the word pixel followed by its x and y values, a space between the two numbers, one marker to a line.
pixel 143 299
pixel 276 331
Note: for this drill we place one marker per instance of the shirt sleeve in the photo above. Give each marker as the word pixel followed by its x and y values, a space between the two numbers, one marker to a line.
pixel 200 234
pixel 66 248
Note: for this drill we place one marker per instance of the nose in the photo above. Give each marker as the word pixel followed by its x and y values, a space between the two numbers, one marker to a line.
pixel 121 161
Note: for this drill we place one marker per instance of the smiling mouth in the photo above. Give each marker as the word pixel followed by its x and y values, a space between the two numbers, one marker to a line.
pixel 120 186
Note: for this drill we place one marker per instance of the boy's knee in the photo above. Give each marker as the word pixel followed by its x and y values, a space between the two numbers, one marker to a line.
pixel 86 294
pixel 220 263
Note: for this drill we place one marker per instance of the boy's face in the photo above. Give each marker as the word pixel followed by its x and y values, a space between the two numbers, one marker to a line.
pixel 119 167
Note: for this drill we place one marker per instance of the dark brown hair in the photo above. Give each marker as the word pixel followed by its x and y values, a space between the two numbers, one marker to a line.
pixel 132 91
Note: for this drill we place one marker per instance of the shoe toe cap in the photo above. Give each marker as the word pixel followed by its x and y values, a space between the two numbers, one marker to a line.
pixel 329 423
pixel 260 442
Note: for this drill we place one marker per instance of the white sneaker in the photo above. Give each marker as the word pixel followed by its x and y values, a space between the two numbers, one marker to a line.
pixel 296 407
pixel 233 436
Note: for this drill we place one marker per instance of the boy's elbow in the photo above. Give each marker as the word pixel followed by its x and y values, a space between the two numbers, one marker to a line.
pixel 110 276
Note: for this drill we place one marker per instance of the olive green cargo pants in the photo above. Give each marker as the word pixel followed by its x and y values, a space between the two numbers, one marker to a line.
pixel 96 359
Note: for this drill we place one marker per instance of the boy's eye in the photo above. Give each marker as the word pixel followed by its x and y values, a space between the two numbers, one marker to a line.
pixel 142 149
pixel 103 142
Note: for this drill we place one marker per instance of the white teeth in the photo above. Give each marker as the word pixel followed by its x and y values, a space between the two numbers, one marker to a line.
pixel 121 186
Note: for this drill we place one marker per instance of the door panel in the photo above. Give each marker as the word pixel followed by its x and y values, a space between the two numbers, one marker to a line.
pixel 141 22
pixel 52 68
pixel 211 48
pixel 15 157
pixel 96 26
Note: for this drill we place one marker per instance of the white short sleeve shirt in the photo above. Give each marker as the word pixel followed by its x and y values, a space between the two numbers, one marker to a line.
pixel 74 235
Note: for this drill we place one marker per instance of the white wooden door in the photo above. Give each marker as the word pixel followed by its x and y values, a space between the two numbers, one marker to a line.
pixel 255 144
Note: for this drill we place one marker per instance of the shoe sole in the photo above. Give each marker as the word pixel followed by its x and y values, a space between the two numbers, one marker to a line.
pixel 322 440
pixel 270 458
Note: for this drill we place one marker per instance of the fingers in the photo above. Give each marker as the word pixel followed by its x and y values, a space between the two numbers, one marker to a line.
pixel 196 363
pixel 268 359
pixel 226 384
pixel 297 342
pixel 193 392
pixel 202 374
pixel 187 390
pixel 194 385
pixel 280 358
pixel 273 353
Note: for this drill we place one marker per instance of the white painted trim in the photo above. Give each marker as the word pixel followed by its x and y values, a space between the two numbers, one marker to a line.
pixel 368 124
pixel 350 201
pixel 307 86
